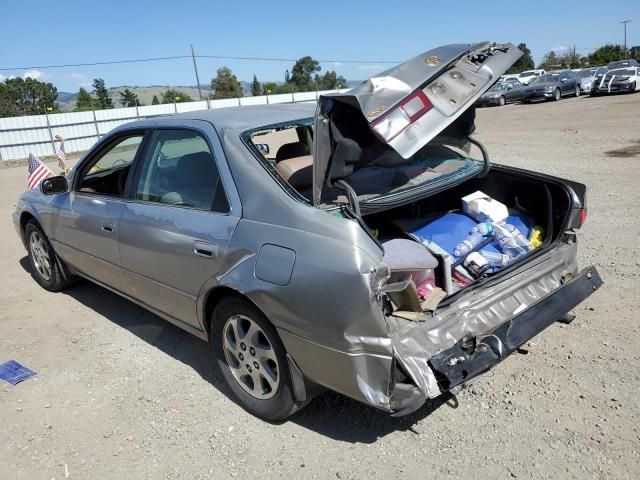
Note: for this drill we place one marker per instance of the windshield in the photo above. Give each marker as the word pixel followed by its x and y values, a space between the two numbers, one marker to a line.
pixel 622 71
pixel 498 86
pixel 528 74
pixel 620 64
pixel 545 78
pixel 584 73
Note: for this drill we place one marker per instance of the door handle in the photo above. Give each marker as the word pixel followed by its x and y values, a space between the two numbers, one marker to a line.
pixel 107 227
pixel 205 249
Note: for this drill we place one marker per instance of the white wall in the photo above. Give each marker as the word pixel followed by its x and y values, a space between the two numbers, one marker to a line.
pixel 20 136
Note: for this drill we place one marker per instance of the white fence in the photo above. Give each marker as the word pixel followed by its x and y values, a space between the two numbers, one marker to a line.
pixel 35 133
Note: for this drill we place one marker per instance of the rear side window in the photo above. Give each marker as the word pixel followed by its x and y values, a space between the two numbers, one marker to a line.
pixel 179 169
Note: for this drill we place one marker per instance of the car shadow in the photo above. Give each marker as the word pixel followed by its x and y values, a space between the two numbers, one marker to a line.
pixel 330 414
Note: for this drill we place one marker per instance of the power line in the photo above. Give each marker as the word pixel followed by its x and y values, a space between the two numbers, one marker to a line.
pixel 219 57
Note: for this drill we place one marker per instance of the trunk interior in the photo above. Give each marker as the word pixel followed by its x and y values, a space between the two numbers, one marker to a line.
pixel 535 204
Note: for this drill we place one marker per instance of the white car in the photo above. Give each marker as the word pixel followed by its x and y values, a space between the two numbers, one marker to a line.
pixel 618 80
pixel 526 77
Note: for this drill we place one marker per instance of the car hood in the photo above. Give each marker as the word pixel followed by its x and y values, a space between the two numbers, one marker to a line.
pixel 447 80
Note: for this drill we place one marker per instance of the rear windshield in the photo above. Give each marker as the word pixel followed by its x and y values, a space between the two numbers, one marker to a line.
pixel 286 151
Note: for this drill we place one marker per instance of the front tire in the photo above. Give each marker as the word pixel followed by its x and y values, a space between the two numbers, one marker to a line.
pixel 557 95
pixel 252 359
pixel 46 268
pixel 502 101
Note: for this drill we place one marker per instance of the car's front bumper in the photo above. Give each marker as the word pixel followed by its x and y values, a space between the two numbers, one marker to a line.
pixel 472 357
pixel 543 95
pixel 615 88
pixel 483 102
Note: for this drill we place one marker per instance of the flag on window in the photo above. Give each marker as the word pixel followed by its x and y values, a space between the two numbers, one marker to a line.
pixel 62 158
pixel 38 171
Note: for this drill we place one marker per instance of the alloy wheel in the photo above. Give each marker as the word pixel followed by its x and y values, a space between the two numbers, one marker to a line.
pixel 40 255
pixel 250 356
pixel 557 94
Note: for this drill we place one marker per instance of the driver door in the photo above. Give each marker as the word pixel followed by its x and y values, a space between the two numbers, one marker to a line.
pixel 86 229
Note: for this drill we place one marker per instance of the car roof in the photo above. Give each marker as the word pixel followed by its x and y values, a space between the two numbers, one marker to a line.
pixel 242 118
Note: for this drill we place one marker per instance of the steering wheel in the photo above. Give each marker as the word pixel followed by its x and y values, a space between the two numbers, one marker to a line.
pixel 182 204
pixel 120 161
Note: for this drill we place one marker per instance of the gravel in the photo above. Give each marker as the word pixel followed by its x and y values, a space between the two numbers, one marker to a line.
pixel 123 394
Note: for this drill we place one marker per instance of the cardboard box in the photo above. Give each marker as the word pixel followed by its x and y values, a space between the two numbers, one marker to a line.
pixel 483 208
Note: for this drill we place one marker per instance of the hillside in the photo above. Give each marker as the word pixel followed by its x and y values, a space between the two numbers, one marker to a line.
pixel 67 100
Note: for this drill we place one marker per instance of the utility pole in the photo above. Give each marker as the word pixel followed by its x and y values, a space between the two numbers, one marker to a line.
pixel 195 67
pixel 624 22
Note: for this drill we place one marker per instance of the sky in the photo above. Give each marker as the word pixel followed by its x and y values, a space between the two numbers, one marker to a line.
pixel 39 33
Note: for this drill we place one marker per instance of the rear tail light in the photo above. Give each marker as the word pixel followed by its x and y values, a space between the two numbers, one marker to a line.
pixel 582 217
pixel 394 122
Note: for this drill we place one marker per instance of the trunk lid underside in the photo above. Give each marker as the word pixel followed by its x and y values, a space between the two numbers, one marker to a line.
pixel 416 101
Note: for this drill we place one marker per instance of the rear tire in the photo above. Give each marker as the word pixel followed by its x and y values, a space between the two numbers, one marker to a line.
pixel 577 91
pixel 46 267
pixel 252 359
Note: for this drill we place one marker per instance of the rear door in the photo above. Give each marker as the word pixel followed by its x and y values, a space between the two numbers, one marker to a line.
pixel 176 228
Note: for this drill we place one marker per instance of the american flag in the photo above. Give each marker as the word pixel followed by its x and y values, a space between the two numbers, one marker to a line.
pixel 62 158
pixel 38 171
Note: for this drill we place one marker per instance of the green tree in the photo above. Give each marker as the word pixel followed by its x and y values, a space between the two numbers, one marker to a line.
pixel 155 100
pixel 524 63
pixel 84 102
pixel 256 88
pixel 172 95
pixel 302 73
pixel 28 96
pixel 550 61
pixel 225 84
pixel 129 98
pixel 103 101
pixel 605 54
pixel 330 81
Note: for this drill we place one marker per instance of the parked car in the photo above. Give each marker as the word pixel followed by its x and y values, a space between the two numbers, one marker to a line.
pixel 598 77
pixel 526 77
pixel 623 64
pixel 587 77
pixel 621 80
pixel 502 93
pixel 282 263
pixel 552 86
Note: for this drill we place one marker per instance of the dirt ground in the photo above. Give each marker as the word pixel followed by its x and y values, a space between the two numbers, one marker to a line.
pixel 122 394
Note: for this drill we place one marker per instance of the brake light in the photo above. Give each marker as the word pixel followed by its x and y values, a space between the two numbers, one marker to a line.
pixel 583 216
pixel 394 122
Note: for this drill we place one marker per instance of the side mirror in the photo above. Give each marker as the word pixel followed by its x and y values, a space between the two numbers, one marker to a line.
pixel 263 147
pixel 563 80
pixel 53 185
pixel 509 87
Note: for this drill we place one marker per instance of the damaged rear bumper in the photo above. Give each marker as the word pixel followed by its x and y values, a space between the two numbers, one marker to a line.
pixel 469 358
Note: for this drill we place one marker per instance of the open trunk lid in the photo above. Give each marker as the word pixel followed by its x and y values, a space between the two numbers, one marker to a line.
pixel 404 108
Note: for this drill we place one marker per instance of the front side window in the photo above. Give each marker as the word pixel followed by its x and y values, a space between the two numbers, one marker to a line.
pixel 180 170
pixel 107 173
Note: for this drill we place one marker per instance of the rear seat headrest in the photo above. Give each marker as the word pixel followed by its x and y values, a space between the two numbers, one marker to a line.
pixel 298 171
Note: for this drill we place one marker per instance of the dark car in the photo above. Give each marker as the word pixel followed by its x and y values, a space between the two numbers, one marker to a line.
pixel 552 86
pixel 502 93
